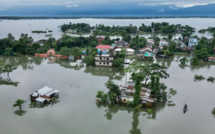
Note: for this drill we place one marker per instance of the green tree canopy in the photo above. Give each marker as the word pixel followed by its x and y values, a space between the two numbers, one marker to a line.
pixel 148 70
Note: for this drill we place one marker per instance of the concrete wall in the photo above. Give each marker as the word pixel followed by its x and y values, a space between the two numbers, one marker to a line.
pixel 104 59
pixel 104 64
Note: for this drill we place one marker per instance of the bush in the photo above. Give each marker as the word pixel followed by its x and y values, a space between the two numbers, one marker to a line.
pixel 194 61
pixel 138 108
pixel 211 79
pixel 213 112
pixel 149 111
pixel 199 77
pixel 118 62
pixel 102 96
pixel 99 94
pixel 89 60
pixel 129 104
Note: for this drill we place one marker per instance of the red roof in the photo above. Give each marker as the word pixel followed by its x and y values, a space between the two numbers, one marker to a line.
pixel 103 47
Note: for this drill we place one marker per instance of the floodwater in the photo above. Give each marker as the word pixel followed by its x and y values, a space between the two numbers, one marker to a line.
pixel 16 27
pixel 78 113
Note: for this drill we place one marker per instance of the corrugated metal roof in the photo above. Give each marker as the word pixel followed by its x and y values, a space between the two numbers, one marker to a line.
pixel 52 92
pixel 40 99
pixel 44 90
pixel 34 94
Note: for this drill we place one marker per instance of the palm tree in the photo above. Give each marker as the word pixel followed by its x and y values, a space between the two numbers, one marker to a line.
pixel 10 37
pixel 19 103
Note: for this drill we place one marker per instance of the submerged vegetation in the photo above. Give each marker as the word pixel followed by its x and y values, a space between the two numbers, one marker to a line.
pixel 211 79
pixel 199 77
pixel 19 103
pixel 213 112
pixel 38 31
pixel 184 60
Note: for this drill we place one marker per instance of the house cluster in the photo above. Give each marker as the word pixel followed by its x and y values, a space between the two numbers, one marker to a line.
pixel 72 31
pixel 44 95
pixel 105 56
pixel 128 90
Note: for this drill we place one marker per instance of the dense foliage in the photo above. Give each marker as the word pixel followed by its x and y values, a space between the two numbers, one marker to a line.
pixel 112 95
pixel 79 27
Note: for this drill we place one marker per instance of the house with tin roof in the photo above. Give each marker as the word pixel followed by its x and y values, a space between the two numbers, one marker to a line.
pixel 44 95
pixel 128 90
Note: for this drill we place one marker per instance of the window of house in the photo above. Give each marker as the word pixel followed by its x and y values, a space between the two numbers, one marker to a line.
pixel 100 63
pixel 103 62
pixel 108 63
pixel 107 58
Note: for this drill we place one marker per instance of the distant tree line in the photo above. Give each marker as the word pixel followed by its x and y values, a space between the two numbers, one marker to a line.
pixel 101 29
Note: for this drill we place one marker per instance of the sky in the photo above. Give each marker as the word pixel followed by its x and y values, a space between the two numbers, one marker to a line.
pixel 107 7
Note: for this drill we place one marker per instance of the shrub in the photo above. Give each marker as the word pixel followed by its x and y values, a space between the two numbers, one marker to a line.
pixel 199 77
pixel 149 111
pixel 129 104
pixel 138 108
pixel 99 94
pixel 211 79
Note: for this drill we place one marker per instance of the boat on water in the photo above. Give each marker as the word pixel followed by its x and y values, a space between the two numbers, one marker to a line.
pixel 185 108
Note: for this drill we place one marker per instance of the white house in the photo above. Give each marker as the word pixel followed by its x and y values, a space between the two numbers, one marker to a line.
pixel 192 42
pixel 129 51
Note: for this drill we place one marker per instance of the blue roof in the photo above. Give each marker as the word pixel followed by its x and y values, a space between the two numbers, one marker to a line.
pixel 148 54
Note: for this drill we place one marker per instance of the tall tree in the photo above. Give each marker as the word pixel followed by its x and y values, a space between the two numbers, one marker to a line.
pixel 7 68
pixel 137 78
pixel 148 70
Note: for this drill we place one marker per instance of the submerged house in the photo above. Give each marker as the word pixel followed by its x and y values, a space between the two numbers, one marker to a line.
pixel 145 53
pixel 150 42
pixel 144 50
pixel 211 59
pixel 192 42
pixel 121 44
pixel 44 95
pixel 128 91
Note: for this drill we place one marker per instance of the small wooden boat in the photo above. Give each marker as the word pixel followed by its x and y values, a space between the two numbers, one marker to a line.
pixel 185 108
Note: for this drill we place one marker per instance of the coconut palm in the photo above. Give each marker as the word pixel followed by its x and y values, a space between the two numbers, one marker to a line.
pixel 19 103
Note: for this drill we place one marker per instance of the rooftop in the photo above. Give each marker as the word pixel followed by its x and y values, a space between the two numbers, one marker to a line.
pixel 46 91
pixel 103 47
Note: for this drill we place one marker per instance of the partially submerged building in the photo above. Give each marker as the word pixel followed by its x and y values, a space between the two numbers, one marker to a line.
pixel 211 59
pixel 44 95
pixel 145 53
pixel 104 60
pixel 146 49
pixel 128 90
pixel 192 43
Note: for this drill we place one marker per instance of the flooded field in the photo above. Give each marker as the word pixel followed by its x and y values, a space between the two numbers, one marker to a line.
pixel 78 113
